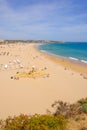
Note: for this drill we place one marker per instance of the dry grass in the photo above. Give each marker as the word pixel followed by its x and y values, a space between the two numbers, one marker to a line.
pixel 78 123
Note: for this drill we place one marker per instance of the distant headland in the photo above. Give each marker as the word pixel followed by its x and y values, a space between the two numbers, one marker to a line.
pixel 29 41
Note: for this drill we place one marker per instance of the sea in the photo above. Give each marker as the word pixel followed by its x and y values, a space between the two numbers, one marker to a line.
pixel 76 51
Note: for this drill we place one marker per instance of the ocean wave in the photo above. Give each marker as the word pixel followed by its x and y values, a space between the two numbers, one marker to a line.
pixel 43 51
pixel 72 58
pixel 84 61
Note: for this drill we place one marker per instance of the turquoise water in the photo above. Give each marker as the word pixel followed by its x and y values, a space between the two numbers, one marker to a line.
pixel 71 50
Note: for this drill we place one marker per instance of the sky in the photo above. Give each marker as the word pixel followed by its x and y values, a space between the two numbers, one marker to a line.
pixel 64 20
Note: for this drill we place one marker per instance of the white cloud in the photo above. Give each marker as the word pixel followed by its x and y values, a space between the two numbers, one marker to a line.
pixel 54 20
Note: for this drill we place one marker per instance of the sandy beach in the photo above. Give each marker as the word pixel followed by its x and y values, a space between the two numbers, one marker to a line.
pixel 60 80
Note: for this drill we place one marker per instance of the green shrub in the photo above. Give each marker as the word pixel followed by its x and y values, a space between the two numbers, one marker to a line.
pixel 83 101
pixel 61 108
pixel 70 110
pixel 36 122
pixel 84 107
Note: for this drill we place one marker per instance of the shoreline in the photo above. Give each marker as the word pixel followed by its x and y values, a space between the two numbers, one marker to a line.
pixel 65 62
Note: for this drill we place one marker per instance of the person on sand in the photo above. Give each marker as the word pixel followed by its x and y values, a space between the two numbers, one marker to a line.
pixel 6 66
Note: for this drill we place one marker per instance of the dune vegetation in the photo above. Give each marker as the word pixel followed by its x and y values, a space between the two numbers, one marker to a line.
pixel 65 117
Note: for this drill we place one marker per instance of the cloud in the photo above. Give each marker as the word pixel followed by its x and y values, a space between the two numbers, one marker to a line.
pixel 52 20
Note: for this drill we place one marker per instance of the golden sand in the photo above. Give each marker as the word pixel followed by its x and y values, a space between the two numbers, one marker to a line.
pixel 35 95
